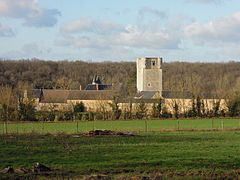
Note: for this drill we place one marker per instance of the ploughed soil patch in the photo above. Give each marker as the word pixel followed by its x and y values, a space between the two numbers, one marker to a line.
pixel 128 174
pixel 99 132
pixel 95 133
pixel 40 171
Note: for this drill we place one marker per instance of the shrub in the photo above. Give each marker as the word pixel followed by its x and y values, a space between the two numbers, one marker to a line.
pixel 79 107
pixel 233 105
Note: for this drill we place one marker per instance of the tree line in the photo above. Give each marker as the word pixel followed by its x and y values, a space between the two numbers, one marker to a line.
pixel 214 78
pixel 222 80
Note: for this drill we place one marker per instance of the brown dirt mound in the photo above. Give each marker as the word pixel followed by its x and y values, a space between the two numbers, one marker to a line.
pixel 100 132
pixel 8 170
pixel 37 168
pixel 97 177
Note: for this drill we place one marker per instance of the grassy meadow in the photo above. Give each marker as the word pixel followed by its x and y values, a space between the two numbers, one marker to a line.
pixel 119 125
pixel 166 149
pixel 169 154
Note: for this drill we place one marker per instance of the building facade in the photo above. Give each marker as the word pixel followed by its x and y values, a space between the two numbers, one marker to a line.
pixel 98 96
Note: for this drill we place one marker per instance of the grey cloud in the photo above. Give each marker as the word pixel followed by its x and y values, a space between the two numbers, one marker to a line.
pixel 30 11
pixel 46 19
pixel 6 31
pixel 130 36
pixel 220 30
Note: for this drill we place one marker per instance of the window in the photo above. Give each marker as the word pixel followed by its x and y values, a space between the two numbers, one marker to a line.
pixel 149 84
pixel 153 63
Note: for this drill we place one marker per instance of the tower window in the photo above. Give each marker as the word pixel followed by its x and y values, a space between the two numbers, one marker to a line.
pixel 149 84
pixel 153 63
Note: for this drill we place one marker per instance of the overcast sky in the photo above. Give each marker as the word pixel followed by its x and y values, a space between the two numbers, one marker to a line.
pixel 120 30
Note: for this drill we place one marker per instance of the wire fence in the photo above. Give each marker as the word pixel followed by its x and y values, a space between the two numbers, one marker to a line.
pixel 126 126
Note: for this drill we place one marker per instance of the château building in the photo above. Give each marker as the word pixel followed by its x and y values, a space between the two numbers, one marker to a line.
pixel 97 96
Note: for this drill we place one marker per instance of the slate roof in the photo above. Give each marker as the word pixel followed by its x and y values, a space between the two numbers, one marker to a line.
pixel 100 87
pixel 139 101
pixel 177 95
pixel 172 95
pixel 96 80
pixel 97 85
pixel 35 93
pixel 186 95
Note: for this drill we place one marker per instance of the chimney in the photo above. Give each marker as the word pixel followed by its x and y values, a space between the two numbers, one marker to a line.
pixel 97 87
pixel 80 87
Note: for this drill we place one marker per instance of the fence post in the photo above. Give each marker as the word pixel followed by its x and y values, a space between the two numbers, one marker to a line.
pixel 17 127
pixel 5 127
pixel 222 125
pixel 146 127
pixel 178 127
pixel 43 127
pixel 77 126
pixel 33 129
pixel 94 123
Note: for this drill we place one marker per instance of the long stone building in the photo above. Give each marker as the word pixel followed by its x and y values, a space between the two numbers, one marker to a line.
pixel 98 96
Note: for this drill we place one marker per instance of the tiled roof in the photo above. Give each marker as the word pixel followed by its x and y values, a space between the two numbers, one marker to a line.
pixel 61 96
pixel 90 95
pixel 54 96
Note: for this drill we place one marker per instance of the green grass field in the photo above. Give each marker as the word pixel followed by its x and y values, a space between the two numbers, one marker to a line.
pixel 199 153
pixel 133 125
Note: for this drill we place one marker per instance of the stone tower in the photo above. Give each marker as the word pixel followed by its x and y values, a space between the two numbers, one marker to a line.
pixel 149 74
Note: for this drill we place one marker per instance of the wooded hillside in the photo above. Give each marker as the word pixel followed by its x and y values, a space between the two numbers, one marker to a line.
pixel 214 78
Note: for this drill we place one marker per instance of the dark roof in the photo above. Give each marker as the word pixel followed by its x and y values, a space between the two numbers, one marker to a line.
pixel 35 93
pixel 90 95
pixel 61 96
pixel 145 94
pixel 177 95
pixel 54 96
pixel 96 80
pixel 186 95
pixel 165 95
pixel 210 96
pixel 100 86
pixel 139 101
